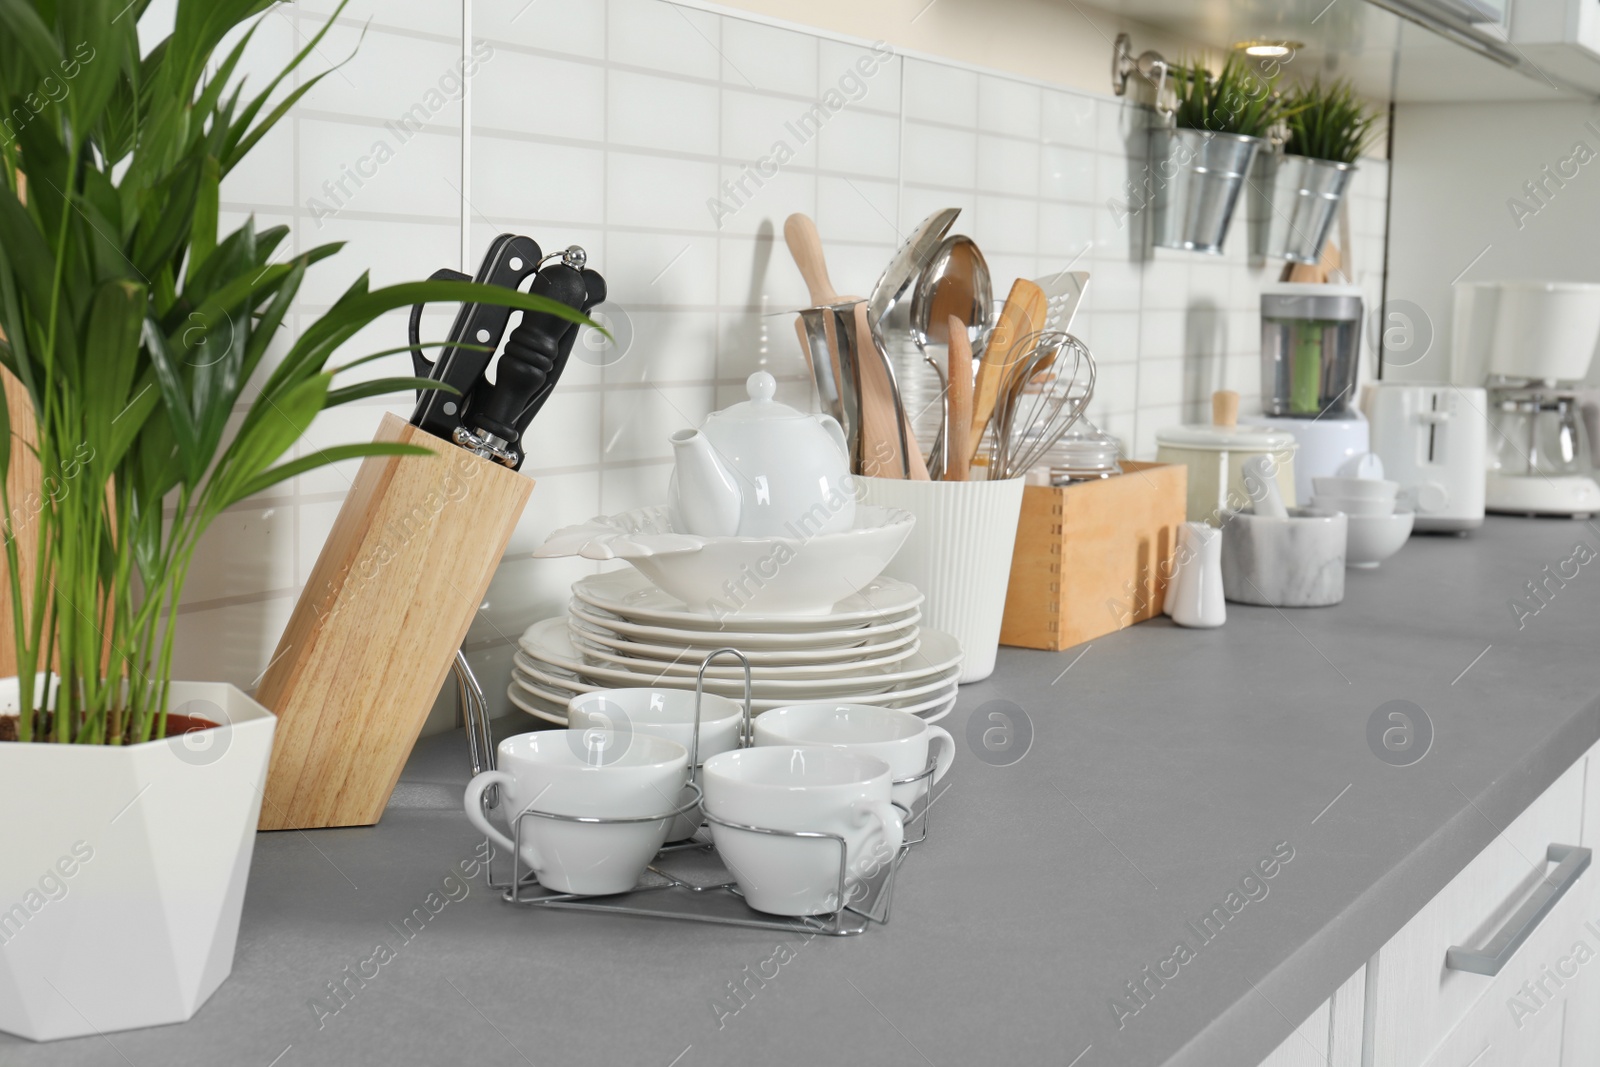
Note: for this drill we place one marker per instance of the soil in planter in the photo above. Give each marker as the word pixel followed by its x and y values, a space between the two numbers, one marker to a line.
pixel 177 725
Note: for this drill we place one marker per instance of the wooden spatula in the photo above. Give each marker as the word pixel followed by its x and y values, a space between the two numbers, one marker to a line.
pixel 1024 312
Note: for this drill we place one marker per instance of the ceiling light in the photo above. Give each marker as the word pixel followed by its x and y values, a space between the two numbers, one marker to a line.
pixel 1268 49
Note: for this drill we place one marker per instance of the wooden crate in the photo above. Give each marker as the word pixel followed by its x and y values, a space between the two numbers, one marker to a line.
pixel 377 627
pixel 1093 557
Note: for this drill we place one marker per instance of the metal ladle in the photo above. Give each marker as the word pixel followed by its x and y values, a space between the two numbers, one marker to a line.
pixel 955 282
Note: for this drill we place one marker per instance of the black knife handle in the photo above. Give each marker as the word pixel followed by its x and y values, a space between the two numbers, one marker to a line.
pixel 595 290
pixel 421 365
pixel 531 353
pixel 474 337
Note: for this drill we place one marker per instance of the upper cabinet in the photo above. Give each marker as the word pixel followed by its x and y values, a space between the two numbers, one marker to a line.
pixel 1409 51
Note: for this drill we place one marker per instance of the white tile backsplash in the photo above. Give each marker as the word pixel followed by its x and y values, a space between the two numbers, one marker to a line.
pixel 579 26
pixel 651 111
pixel 504 95
pixel 767 57
pixel 672 143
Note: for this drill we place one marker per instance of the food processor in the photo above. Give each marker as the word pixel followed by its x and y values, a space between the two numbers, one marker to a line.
pixel 1530 343
pixel 1310 352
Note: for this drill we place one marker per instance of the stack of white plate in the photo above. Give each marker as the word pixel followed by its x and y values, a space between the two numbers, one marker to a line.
pixel 623 632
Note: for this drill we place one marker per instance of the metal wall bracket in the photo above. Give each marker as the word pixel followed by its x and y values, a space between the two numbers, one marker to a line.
pixel 1149 65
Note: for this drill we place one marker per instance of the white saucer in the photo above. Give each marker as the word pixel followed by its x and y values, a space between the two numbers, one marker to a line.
pixel 533 705
pixel 558 687
pixel 838 639
pixel 585 632
pixel 549 644
pixel 630 595
pixel 688 663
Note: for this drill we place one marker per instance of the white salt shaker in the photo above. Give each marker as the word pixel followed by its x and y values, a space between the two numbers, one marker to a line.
pixel 1194 592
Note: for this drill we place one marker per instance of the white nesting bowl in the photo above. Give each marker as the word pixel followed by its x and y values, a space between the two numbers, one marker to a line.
pixel 1355 488
pixel 799 575
pixel 1371 539
pixel 1353 505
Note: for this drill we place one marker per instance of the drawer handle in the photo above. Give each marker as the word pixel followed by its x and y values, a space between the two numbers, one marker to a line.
pixel 1570 861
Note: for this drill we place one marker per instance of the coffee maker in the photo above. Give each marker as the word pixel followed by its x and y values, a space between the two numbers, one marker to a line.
pixel 1530 344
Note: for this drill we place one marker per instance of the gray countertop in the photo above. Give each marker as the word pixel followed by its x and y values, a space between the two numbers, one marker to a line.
pixel 1164 765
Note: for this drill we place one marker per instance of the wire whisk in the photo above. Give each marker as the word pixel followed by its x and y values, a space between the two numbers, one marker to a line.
pixel 1045 391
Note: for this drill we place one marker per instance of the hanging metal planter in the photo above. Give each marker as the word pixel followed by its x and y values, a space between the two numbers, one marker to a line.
pixel 1198 175
pixel 1294 203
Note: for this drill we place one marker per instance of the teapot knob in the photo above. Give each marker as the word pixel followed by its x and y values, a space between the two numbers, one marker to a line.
pixel 761 386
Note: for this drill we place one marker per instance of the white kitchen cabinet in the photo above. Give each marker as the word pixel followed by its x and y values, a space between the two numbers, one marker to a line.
pixel 1308 1045
pixel 1406 1008
pixel 1331 1036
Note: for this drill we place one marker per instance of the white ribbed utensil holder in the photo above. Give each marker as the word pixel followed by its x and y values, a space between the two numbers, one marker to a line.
pixel 959 554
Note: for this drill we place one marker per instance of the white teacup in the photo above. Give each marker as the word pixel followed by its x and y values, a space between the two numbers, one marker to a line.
pixel 898 738
pixel 667 713
pixel 583 772
pixel 821 790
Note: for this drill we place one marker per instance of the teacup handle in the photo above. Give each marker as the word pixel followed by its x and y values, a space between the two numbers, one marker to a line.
pixel 947 750
pixel 475 815
pixel 889 821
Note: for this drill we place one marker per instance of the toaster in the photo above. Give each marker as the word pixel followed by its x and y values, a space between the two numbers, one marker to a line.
pixel 1432 439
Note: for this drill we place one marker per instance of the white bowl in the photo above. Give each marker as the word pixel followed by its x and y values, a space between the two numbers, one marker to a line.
pixel 1351 505
pixel 1355 488
pixel 1374 538
pixel 723 576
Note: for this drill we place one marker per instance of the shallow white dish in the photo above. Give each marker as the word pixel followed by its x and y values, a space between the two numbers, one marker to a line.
pixel 551 706
pixel 741 575
pixel 547 644
pixel 623 645
pixel 725 667
pixel 630 595
pixel 1371 539
pixel 559 687
pixel 843 638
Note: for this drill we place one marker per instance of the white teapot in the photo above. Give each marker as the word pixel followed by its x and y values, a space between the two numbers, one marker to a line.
pixel 762 469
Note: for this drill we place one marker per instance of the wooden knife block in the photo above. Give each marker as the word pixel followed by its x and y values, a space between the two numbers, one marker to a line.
pixel 378 625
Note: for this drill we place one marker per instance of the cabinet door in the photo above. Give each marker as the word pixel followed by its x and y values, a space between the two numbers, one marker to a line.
pixel 1308 1045
pixel 1541 1009
pixel 1331 1036
pixel 1419 1003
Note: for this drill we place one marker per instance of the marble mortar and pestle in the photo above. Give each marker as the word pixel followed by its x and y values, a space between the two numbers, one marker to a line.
pixel 1277 556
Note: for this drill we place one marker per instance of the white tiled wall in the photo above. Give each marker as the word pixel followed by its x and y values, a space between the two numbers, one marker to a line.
pixel 615 124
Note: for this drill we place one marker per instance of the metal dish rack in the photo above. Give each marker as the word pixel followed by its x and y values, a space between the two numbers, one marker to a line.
pixel 687 880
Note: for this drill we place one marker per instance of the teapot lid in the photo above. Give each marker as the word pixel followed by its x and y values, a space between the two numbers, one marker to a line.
pixel 760 387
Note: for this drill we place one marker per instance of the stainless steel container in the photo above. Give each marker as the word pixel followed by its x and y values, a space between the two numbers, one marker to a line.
pixel 1197 176
pixel 1295 203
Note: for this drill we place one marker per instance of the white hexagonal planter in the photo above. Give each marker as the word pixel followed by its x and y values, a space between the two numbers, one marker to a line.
pixel 123 869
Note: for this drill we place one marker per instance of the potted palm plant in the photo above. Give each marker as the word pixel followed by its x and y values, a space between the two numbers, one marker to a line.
pixel 1301 187
pixel 132 327
pixel 1199 161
